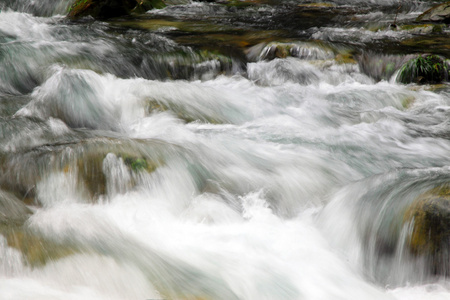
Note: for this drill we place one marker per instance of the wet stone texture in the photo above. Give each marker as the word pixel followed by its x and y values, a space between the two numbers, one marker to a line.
pixel 429 217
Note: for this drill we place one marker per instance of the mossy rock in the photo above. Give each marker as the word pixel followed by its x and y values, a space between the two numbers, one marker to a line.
pixel 105 9
pixel 438 13
pixel 429 216
pixel 81 162
pixel 91 172
pixel 422 28
pixel 425 69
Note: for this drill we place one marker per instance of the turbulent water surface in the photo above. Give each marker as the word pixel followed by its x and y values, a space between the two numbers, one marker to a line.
pixel 178 155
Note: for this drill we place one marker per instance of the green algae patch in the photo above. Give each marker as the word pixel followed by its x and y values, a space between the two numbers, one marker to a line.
pixel 139 164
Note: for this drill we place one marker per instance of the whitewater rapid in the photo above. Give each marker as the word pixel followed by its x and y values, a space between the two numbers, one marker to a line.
pixel 272 182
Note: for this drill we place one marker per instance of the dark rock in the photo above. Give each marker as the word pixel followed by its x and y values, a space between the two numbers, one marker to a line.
pixel 145 5
pixel 438 13
pixel 105 9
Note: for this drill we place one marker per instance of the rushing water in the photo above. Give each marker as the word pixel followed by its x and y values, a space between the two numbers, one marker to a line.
pixel 152 168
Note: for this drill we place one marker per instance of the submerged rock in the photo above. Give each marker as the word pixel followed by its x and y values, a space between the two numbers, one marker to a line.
pixel 381 66
pixel 105 9
pixel 96 173
pixel 12 210
pixel 36 250
pixel 429 218
pixel 76 167
pixel 438 13
pixel 305 51
pixel 425 69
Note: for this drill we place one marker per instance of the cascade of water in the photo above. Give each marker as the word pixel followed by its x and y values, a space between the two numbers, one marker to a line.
pixel 136 165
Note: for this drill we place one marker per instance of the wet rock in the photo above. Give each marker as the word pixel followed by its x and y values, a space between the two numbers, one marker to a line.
pixel 96 177
pixel 185 112
pixel 105 9
pixel 35 249
pixel 12 210
pixel 318 5
pixel 79 165
pixel 425 69
pixel 438 13
pixel 306 51
pixel 381 67
pixel 438 44
pixel 429 218
pixel 422 28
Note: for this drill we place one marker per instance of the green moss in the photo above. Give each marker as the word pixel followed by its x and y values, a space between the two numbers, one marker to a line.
pixel 136 164
pixel 424 69
pixel 139 164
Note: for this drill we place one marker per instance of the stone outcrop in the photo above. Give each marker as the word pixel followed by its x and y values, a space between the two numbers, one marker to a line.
pixel 439 13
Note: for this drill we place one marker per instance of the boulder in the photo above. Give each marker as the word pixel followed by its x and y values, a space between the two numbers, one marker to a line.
pixel 425 69
pixel 105 9
pixel 439 13
pixel 429 220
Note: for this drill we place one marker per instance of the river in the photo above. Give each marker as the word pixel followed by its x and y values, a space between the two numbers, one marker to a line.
pixel 181 154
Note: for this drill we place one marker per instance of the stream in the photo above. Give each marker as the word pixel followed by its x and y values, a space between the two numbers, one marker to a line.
pixel 260 150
